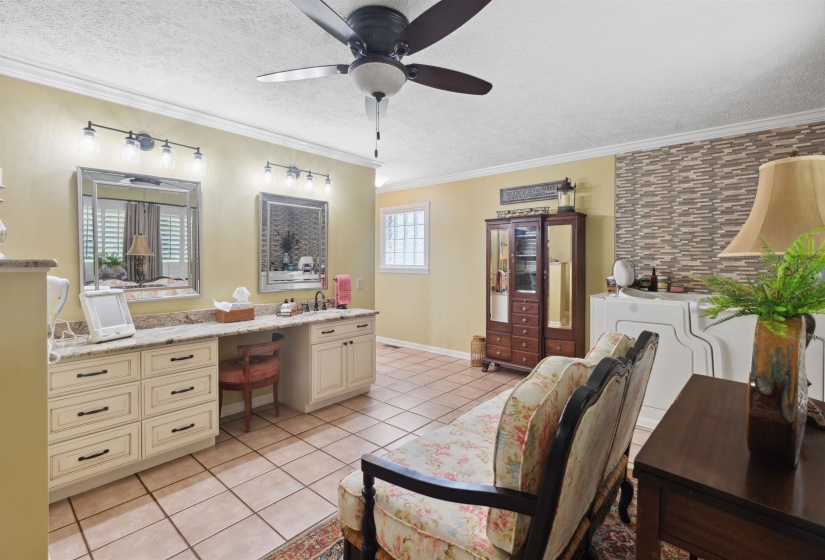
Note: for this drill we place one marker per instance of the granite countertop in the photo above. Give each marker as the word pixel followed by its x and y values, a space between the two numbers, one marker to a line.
pixel 27 263
pixel 145 338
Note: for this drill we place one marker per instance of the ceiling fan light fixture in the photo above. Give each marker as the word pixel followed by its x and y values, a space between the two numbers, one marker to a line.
pixel 378 74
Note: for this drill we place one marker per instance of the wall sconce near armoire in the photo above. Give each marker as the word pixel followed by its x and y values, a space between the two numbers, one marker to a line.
pixel 134 144
pixel 293 174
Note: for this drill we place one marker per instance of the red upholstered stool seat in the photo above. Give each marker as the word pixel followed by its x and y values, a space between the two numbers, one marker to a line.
pixel 257 365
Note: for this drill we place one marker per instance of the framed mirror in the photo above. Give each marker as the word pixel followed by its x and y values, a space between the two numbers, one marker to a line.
pixel 293 243
pixel 139 233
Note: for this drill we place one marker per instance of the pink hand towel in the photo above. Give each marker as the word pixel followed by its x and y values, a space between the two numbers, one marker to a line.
pixel 343 290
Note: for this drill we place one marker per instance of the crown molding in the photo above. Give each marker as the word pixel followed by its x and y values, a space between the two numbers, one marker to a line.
pixel 54 78
pixel 816 115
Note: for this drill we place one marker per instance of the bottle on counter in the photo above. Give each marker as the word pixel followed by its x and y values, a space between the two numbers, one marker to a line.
pixel 293 307
pixel 286 309
pixel 654 282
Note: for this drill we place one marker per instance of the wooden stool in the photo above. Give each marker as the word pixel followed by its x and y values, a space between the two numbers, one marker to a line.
pixel 258 365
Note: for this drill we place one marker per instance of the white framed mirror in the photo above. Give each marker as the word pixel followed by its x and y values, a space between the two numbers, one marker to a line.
pixel 140 234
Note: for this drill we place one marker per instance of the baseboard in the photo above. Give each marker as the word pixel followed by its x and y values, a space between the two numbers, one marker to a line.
pixel 237 407
pixel 416 346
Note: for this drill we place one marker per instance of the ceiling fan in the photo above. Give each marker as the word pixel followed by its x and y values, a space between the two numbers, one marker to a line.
pixel 379 37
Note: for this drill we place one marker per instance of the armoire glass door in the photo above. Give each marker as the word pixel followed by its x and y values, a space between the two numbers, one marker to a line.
pixel 499 280
pixel 559 246
pixel 525 261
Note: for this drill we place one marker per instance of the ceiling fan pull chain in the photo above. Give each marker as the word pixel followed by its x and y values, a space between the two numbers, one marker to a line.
pixel 377 123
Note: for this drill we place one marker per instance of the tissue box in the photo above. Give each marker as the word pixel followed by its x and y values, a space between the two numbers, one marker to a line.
pixel 235 315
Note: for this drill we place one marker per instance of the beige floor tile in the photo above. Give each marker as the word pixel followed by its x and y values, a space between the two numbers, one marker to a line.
pixel 382 394
pixel 285 413
pixel 203 520
pixel 382 411
pixel 66 543
pixel 444 385
pixel 119 521
pixel 408 421
pixel 299 424
pixel 312 467
pixel 331 412
pixel 156 542
pixel 221 453
pixel 359 402
pixel 297 512
pixel 327 487
pixel 350 448
pixel 188 492
pixel 403 385
pixel 60 515
pixel 355 422
pixel 634 449
pixel 470 405
pixel 287 450
pixel 185 555
pixel 432 363
pixel 486 384
pixel 107 496
pixel 399 364
pixel 267 489
pixel 450 400
pixel 381 434
pixel 454 367
pixel 223 435
pixel 461 378
pixel 323 435
pixel 431 427
pixel 424 378
pixel 416 368
pixel 468 392
pixel 399 442
pixel 446 359
pixel 503 377
pixel 263 437
pixel 450 416
pixel 405 401
pixel 425 393
pixel 249 539
pixel 171 472
pixel 431 410
pixel 640 436
pixel 238 427
pixel 397 374
pixel 384 380
pixel 416 358
pixel 243 468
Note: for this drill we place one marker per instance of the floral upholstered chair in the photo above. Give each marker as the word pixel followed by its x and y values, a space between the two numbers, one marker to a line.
pixel 513 477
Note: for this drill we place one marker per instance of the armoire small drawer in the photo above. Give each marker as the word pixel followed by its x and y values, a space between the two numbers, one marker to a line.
pixel 179 357
pixel 525 344
pixel 497 339
pixel 524 321
pixel 526 359
pixel 525 332
pixel 526 308
pixel 498 352
pixel 171 392
pixel 180 428
pixel 84 457
pixel 79 375
pixel 560 348
pixel 93 411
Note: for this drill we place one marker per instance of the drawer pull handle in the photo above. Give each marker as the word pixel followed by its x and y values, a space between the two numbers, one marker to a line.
pixel 498 353
pixel 524 320
pixel 87 457
pixel 524 344
pixel 104 409
pixel 92 374
pixel 558 347
pixel 345 343
pixel 350 342
pixel 189 357
pixel 524 359
pixel 524 309
pixel 192 425
pixel 523 331
pixel 364 325
pixel 498 339
pixel 183 391
pixel 328 332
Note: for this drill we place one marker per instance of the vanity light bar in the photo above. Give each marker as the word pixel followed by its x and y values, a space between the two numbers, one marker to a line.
pixel 292 176
pixel 133 144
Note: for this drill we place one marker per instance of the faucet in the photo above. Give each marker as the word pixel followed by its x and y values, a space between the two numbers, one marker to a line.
pixel 316 300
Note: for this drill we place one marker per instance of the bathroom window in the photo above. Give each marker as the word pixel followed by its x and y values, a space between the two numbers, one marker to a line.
pixel 405 236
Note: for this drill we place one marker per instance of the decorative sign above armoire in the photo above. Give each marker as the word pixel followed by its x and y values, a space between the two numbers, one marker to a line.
pixel 529 193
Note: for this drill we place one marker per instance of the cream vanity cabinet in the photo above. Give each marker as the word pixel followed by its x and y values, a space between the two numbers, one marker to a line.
pixel 125 412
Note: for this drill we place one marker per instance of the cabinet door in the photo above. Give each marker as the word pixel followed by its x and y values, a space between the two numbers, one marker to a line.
pixel 498 277
pixel 526 260
pixel 329 369
pixel 362 361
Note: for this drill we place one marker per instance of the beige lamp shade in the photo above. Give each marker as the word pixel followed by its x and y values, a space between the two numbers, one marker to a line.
pixel 790 200
pixel 140 247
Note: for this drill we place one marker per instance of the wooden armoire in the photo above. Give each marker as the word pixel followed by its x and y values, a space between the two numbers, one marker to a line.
pixel 535 289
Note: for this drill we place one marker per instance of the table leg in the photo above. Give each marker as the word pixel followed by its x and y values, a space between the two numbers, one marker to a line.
pixel 648 546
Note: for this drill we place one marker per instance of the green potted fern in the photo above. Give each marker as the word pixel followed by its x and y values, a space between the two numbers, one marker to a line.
pixel 784 297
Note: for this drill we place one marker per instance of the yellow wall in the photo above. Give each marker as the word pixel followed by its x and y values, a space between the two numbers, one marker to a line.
pixel 446 307
pixel 38 154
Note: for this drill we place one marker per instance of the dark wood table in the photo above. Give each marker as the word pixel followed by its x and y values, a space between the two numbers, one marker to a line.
pixel 700 489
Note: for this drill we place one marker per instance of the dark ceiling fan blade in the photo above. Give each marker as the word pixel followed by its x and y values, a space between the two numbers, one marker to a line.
pixel 437 22
pixel 450 80
pixel 369 104
pixel 329 21
pixel 304 73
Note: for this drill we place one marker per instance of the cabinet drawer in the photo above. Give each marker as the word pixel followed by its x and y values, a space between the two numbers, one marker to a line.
pixel 335 330
pixel 560 348
pixel 498 339
pixel 526 308
pixel 91 374
pixel 171 392
pixel 498 353
pixel 525 332
pixel 181 357
pixel 525 321
pixel 88 456
pixel 526 359
pixel 525 344
pixel 93 411
pixel 179 428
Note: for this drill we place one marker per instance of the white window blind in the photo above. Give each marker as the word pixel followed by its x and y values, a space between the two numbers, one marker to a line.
pixel 405 238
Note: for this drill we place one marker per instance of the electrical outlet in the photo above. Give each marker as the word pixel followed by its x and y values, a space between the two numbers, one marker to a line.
pixel 360 283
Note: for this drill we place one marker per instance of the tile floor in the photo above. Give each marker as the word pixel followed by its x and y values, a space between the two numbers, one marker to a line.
pixel 254 491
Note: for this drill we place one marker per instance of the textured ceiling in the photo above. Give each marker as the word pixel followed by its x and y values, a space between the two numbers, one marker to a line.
pixel 567 76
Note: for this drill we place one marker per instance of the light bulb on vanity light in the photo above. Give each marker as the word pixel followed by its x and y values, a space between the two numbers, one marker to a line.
pixel 166 156
pixel 88 141
pixel 328 187
pixel 309 185
pixel 291 177
pixel 130 152
pixel 268 174
pixel 198 165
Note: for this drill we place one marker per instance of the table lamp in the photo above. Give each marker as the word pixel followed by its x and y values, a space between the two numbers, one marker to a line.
pixel 140 250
